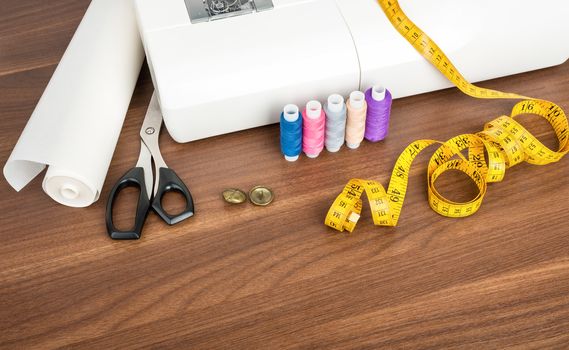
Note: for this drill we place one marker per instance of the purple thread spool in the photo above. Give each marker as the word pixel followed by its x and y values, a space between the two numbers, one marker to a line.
pixel 378 111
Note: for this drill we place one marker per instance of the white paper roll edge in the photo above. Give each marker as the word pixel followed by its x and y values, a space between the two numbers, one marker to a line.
pixel 69 189
pixel 76 124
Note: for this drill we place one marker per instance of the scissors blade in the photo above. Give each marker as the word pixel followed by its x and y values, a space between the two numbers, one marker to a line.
pixel 150 134
pixel 145 162
pixel 152 121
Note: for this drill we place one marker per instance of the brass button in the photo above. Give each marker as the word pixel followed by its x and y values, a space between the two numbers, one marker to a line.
pixel 234 196
pixel 261 195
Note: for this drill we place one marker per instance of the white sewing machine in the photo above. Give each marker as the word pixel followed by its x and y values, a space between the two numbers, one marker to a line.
pixel 225 65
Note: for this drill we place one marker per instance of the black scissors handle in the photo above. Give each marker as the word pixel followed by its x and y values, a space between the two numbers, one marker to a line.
pixel 133 178
pixel 168 181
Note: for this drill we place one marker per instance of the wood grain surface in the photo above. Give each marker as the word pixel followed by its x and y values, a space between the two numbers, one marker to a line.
pixel 244 277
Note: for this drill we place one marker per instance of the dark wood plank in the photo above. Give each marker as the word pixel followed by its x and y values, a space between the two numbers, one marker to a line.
pixel 35 33
pixel 276 277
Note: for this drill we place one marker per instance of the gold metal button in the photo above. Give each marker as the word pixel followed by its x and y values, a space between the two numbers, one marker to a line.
pixel 261 195
pixel 234 196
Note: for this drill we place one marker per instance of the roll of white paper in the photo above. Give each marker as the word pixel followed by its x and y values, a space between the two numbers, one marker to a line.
pixel 75 126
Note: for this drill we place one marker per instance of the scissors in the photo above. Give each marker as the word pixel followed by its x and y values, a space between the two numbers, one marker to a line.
pixel 152 187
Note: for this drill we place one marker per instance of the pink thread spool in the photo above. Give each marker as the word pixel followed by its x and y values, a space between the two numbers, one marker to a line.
pixel 314 123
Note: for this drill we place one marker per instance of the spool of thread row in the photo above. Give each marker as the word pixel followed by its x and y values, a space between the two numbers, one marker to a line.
pixel 335 110
pixel 313 130
pixel 291 133
pixel 356 121
pixel 378 111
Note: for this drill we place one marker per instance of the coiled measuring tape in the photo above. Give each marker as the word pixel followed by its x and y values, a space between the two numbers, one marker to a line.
pixel 505 141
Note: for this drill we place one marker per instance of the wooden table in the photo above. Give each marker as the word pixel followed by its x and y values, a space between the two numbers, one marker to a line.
pixel 276 277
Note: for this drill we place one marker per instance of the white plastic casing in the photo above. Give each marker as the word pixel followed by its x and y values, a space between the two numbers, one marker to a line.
pixel 236 73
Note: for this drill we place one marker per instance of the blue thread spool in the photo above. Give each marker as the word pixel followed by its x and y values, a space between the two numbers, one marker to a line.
pixel 291 132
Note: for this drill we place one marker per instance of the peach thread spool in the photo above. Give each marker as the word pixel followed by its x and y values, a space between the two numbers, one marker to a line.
pixel 356 122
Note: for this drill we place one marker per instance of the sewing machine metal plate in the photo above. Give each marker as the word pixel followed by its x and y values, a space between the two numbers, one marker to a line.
pixel 208 10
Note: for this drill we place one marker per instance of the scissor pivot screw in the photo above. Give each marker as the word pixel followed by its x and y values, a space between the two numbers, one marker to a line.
pixel 150 131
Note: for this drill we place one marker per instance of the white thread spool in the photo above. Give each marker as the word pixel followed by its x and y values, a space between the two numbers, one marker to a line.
pixel 335 110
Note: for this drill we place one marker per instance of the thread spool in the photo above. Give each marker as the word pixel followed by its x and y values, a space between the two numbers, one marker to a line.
pixel 314 122
pixel 335 110
pixel 291 132
pixel 356 120
pixel 378 111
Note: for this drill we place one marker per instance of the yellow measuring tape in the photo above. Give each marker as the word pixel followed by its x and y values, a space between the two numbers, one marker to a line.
pixel 505 141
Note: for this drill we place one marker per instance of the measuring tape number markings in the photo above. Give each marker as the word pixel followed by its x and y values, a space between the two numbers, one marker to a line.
pixel 505 141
